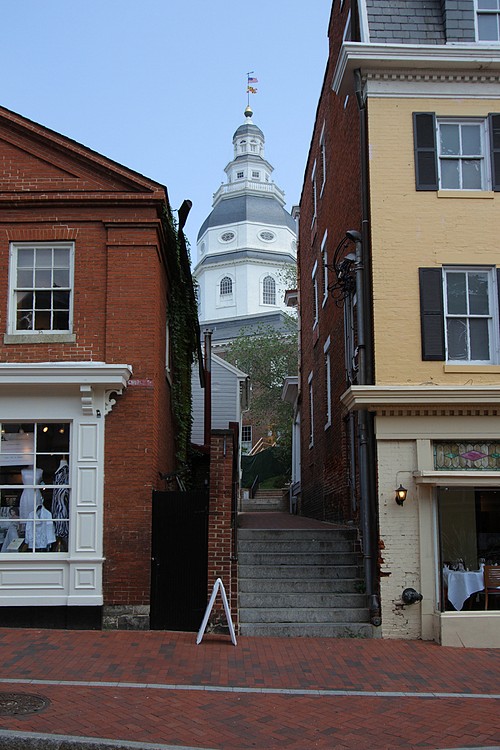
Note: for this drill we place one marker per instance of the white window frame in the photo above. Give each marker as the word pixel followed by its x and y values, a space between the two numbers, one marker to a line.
pixel 225 298
pixel 311 410
pixel 12 307
pixel 322 149
pixel 328 383
pixel 491 317
pixel 324 259
pixel 246 445
pixel 34 489
pixel 483 157
pixel 240 175
pixel 486 12
pixel 314 188
pixel 268 297
pixel 314 278
pixel 227 290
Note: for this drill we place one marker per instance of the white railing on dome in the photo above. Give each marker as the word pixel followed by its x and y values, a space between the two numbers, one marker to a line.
pixel 242 185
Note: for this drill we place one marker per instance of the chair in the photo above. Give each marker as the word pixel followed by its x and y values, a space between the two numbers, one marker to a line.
pixel 491 582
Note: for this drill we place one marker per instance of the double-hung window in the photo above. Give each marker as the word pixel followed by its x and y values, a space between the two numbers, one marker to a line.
pixel 488 20
pixel 462 149
pixel 456 153
pixel 41 293
pixel 459 314
pixel 468 301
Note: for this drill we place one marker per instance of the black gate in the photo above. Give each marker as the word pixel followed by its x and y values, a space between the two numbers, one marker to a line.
pixel 179 560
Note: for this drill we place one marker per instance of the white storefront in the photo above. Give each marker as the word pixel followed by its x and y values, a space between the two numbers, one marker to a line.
pixel 52 419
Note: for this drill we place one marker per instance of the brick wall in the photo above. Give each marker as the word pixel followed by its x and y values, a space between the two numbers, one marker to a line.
pixel 324 477
pixel 221 559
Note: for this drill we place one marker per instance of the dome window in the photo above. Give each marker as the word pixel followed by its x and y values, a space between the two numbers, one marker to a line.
pixel 267 236
pixel 240 175
pixel 255 174
pixel 269 291
pixel 227 236
pixel 226 286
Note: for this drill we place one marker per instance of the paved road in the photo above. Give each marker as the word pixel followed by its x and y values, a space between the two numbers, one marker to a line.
pixel 161 690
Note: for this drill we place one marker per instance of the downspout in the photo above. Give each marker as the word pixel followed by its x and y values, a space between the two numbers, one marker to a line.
pixel 207 334
pixel 366 436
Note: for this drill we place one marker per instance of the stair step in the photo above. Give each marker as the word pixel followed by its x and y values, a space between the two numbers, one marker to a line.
pixel 298 572
pixel 297 545
pixel 296 534
pixel 312 630
pixel 300 586
pixel 295 559
pixel 300 600
pixel 303 614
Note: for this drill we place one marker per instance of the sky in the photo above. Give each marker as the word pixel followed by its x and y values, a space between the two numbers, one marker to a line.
pixel 160 85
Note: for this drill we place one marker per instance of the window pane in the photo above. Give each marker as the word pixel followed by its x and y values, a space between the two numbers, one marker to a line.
pixel 61 320
pixel 25 300
pixel 42 320
pixel 450 177
pixel 61 257
pixel 24 321
pixel 457 338
pixel 61 300
pixel 487 28
pixel 478 294
pixel 43 300
pixel 479 339
pixel 25 277
pixel 456 293
pixel 487 4
pixel 471 140
pixel 43 279
pixel 43 257
pixel 450 139
pixel 25 257
pixel 471 174
pixel 60 278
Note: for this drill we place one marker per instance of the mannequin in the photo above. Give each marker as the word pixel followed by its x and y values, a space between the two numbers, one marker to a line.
pixel 40 534
pixel 30 496
pixel 60 499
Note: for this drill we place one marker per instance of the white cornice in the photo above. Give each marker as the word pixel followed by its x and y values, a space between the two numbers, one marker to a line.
pixel 467 57
pixel 110 377
pixel 377 397
pixel 457 478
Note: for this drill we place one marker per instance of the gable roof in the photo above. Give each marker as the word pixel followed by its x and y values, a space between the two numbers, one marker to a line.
pixel 37 161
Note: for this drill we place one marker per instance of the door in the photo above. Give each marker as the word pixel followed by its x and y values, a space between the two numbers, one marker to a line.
pixel 179 560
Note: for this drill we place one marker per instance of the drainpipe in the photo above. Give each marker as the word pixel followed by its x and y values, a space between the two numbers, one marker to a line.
pixel 207 334
pixel 366 437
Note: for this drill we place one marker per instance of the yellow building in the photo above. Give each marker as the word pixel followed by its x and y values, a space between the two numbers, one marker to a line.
pixel 429 112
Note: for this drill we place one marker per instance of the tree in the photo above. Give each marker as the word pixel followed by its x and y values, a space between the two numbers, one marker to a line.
pixel 268 356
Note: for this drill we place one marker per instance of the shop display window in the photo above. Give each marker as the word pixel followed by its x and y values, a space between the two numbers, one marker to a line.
pixel 469 530
pixel 34 487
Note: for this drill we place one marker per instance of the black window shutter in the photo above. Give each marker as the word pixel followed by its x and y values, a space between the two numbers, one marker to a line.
pixel 494 127
pixel 432 313
pixel 424 138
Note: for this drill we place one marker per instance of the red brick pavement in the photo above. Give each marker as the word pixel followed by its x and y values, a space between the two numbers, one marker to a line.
pixel 156 694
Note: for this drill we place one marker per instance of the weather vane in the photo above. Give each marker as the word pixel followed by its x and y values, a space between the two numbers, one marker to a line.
pixel 250 87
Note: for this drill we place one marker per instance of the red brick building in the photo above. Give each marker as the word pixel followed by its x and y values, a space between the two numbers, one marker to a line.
pixel 89 266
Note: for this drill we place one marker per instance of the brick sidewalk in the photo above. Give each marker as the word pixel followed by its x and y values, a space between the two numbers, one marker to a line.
pixel 302 693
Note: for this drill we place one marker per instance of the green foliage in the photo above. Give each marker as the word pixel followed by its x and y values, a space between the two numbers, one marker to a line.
pixel 183 324
pixel 268 356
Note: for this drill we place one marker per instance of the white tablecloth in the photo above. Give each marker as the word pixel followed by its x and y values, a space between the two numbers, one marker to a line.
pixel 462 584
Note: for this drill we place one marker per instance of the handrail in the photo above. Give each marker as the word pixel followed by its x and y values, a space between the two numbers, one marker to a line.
pixel 254 487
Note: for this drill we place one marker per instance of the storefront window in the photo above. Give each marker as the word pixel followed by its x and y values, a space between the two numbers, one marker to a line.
pixel 469 521
pixel 34 487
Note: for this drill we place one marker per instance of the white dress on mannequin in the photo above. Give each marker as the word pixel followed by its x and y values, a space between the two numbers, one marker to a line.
pixel 30 497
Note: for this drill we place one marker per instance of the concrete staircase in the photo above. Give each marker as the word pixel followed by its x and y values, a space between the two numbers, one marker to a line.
pixel 301 582
pixel 266 501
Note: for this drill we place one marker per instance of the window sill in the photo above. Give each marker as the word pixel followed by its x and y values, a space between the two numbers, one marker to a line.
pixel 39 338
pixel 465 194
pixel 472 368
